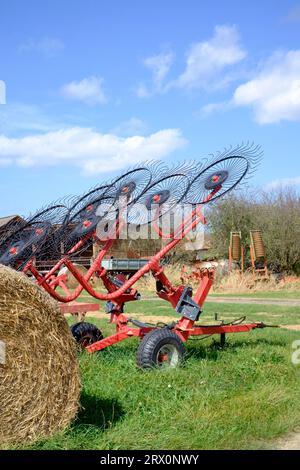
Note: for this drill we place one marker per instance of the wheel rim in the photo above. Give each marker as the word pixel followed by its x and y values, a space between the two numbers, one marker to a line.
pixel 167 356
pixel 86 340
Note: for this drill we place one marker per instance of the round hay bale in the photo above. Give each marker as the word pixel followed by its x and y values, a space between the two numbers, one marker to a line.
pixel 39 372
pixel 72 283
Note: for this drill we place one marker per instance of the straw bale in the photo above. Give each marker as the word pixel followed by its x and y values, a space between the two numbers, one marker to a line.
pixel 39 373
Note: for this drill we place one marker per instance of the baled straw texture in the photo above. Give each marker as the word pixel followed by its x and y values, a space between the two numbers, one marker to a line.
pixel 39 376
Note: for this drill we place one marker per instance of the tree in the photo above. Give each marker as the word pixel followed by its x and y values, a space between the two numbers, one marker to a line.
pixel 276 213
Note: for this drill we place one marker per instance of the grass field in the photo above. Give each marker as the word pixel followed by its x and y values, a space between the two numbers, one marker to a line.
pixel 238 398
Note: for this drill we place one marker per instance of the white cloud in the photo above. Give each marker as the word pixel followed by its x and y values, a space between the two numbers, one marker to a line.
pixel 49 47
pixel 293 15
pixel 159 65
pixel 212 108
pixel 89 90
pixel 284 182
pixel 4 162
pixel 19 117
pixel 92 151
pixel 130 127
pixel 274 94
pixel 206 60
pixel 143 91
pixel 209 64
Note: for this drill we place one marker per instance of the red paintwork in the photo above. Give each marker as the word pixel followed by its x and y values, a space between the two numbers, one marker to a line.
pixel 87 223
pixel 204 287
pixel 184 328
pixel 78 307
pixel 125 333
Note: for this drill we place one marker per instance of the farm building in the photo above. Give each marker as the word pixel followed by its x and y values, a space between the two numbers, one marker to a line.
pixel 7 222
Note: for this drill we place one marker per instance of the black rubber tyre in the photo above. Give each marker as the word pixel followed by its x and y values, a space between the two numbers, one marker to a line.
pixel 86 334
pixel 160 348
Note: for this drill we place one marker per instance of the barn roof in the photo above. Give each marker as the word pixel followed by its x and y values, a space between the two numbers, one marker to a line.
pixel 9 218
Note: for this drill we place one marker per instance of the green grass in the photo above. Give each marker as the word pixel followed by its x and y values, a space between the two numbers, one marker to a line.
pixel 274 314
pixel 237 398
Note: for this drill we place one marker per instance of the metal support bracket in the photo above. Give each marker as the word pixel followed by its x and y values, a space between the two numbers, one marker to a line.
pixel 187 307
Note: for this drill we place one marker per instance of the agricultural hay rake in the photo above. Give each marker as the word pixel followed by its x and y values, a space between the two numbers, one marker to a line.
pixel 143 198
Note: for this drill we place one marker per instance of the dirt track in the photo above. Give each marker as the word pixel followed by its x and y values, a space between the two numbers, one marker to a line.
pixel 247 300
pixel 255 300
pixel 290 442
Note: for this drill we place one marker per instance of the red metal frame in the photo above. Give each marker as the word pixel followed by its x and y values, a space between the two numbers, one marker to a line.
pixel 184 328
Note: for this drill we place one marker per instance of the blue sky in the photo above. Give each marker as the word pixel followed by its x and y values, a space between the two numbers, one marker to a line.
pixel 95 86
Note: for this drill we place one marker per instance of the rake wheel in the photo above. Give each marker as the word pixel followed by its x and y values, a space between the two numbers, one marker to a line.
pixel 83 222
pixel 223 173
pixel 159 199
pixel 25 244
pixel 37 235
pixel 131 185
pixel 88 201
